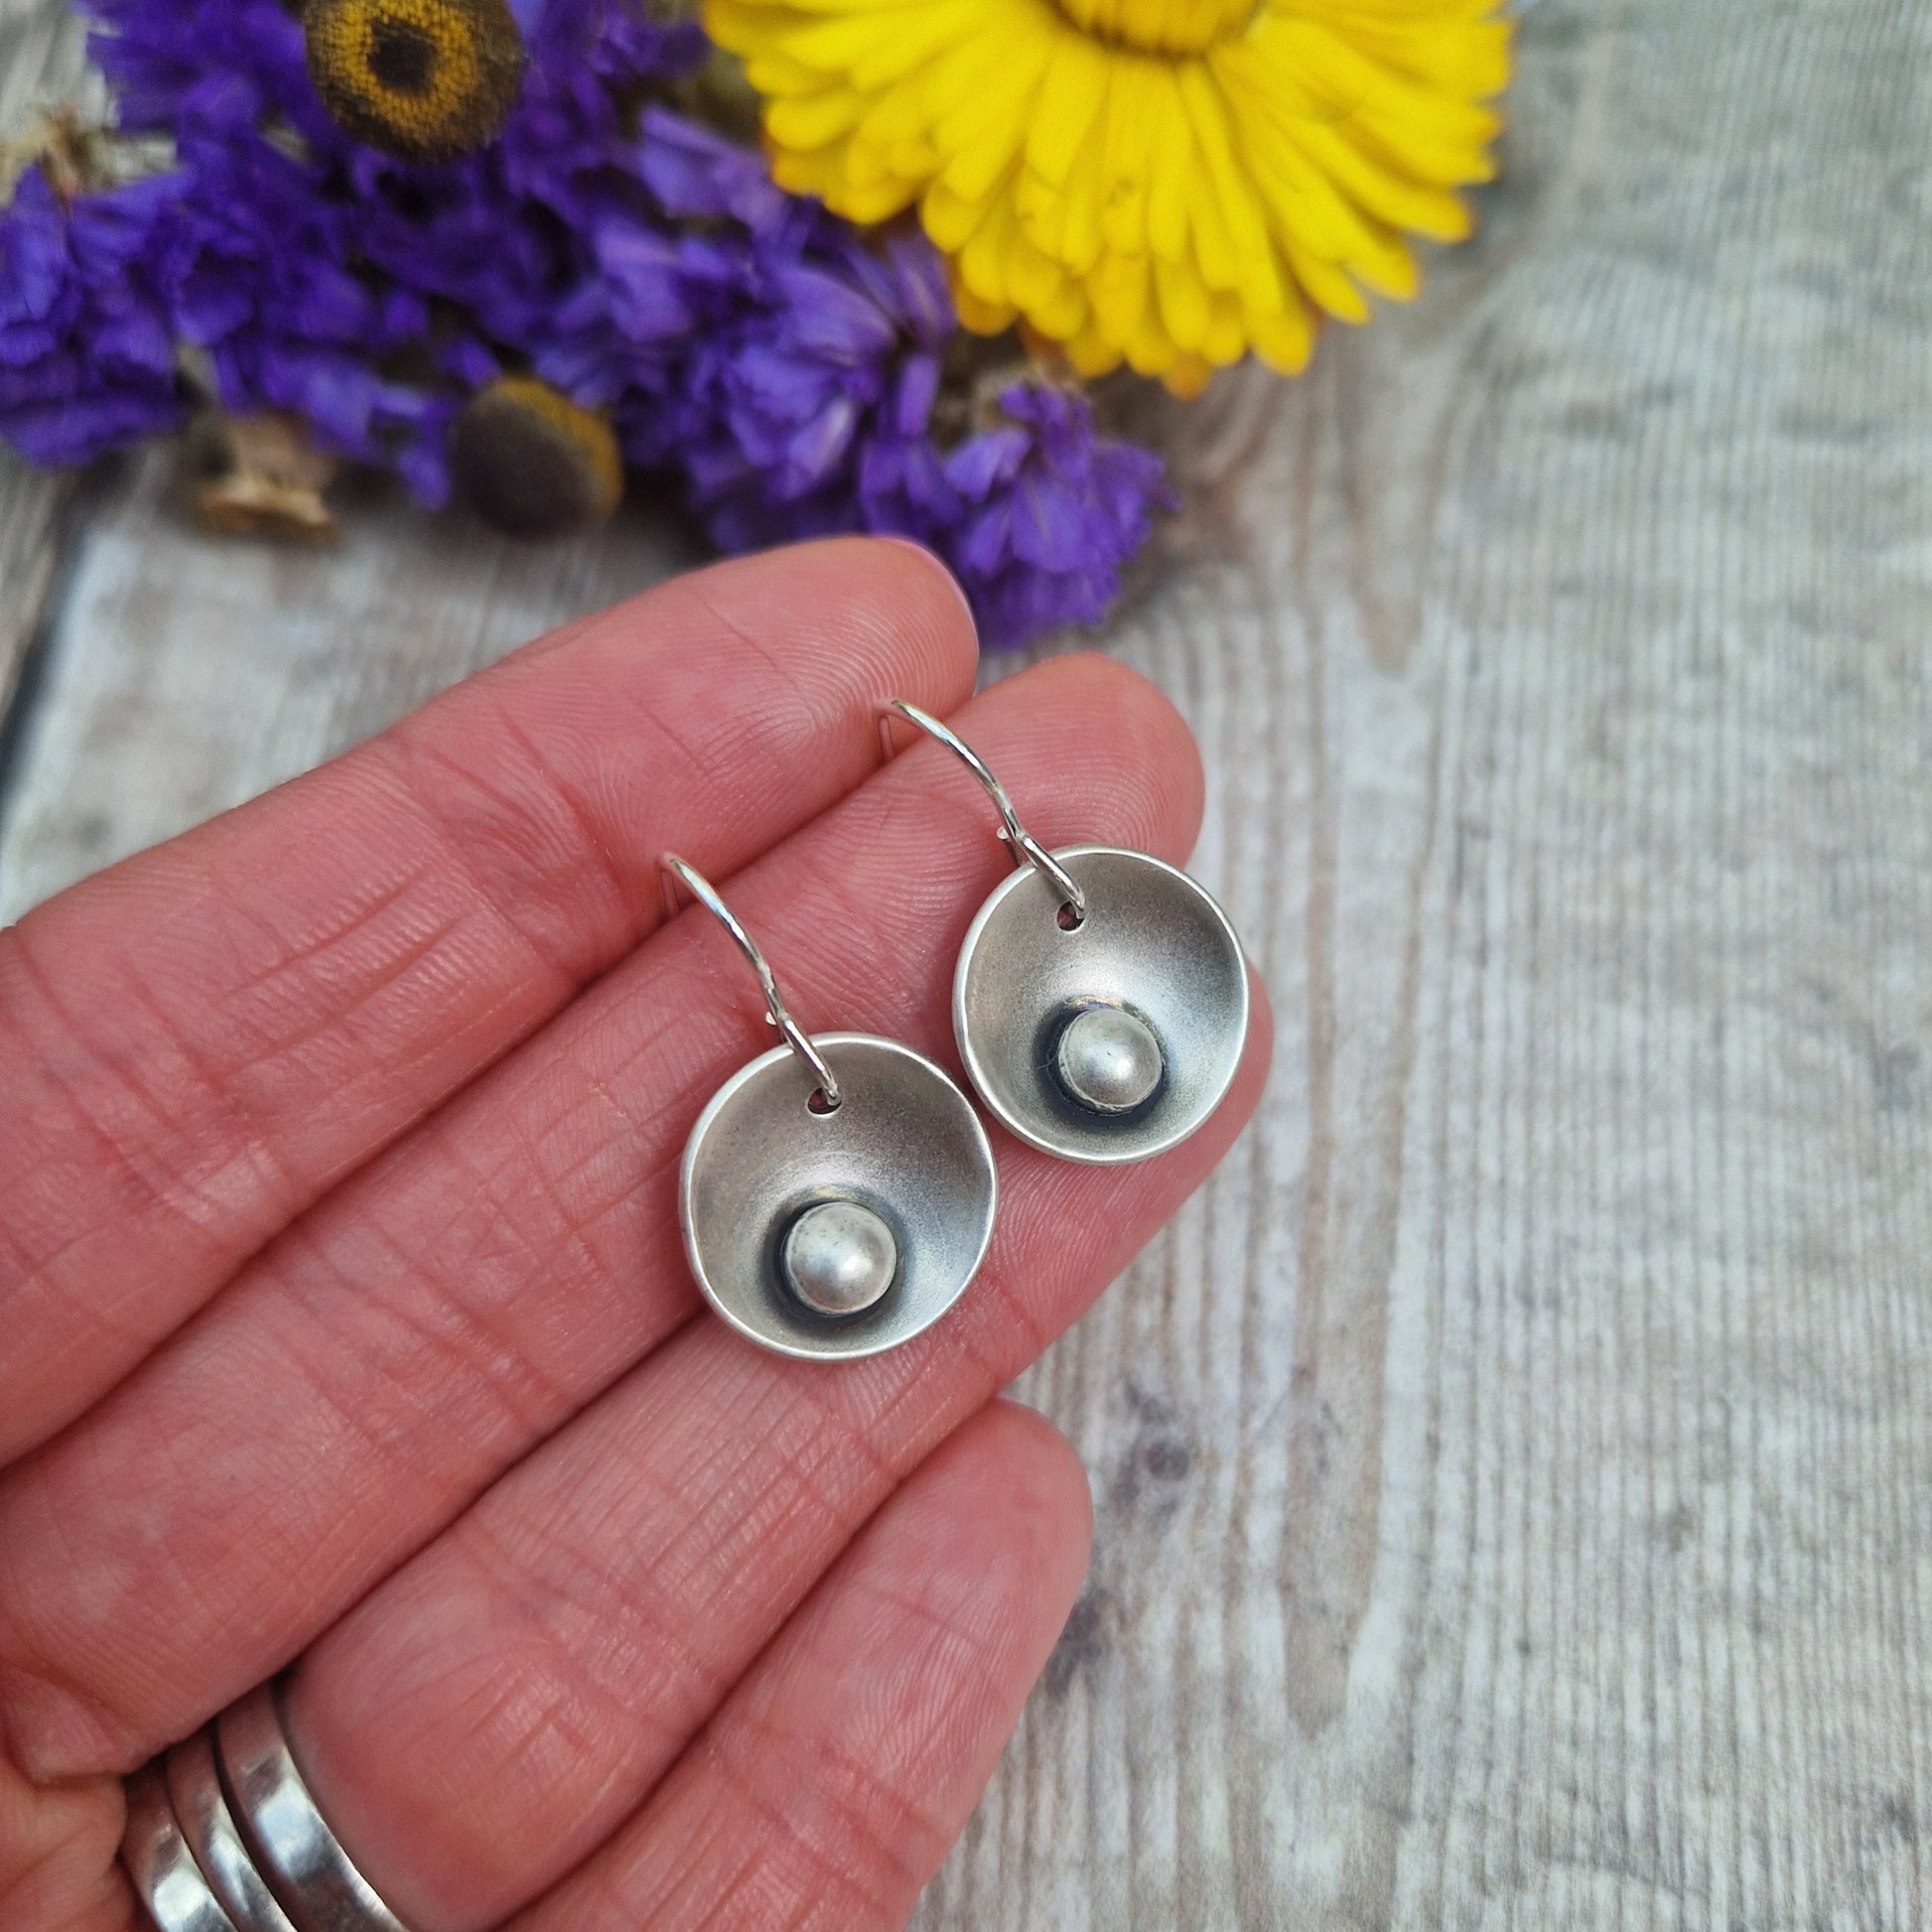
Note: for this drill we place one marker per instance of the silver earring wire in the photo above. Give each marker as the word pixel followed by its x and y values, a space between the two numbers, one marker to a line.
pixel 676 874
pixel 1025 849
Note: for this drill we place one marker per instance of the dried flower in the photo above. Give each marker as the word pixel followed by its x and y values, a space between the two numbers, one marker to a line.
pixel 1168 183
pixel 533 464
pixel 260 475
pixel 261 274
pixel 589 286
pixel 426 79
pixel 87 352
pixel 1048 513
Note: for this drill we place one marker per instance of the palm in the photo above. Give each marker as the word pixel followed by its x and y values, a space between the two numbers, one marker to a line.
pixel 346 1325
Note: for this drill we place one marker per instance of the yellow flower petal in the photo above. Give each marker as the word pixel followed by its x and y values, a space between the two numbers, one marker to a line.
pixel 1119 292
pixel 984 317
pixel 1284 342
pixel 1165 182
pixel 1073 92
pixel 1127 164
pixel 1182 300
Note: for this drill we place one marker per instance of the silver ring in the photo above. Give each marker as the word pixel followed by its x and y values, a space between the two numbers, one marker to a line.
pixel 201 1812
pixel 165 1877
pixel 678 872
pixel 304 1858
pixel 1025 849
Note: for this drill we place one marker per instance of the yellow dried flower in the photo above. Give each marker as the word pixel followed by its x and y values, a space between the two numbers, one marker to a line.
pixel 532 463
pixel 1165 182
pixel 422 79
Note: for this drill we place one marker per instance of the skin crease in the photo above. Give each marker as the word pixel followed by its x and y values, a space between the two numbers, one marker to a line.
pixel 197 1045
pixel 388 1349
pixel 337 1226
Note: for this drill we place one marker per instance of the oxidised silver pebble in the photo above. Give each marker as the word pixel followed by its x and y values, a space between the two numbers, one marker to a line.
pixel 1109 1060
pixel 839 1258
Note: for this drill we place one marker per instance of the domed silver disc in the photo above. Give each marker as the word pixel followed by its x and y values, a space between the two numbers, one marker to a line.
pixel 839 1257
pixel 837 1234
pixel 1112 1039
pixel 1108 1061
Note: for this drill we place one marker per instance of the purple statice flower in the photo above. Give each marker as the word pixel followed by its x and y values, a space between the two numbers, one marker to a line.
pixel 531 240
pixel 261 274
pixel 780 399
pixel 804 405
pixel 189 63
pixel 784 368
pixel 86 354
pixel 671 275
pixel 311 270
pixel 798 341
pixel 1045 513
pixel 614 39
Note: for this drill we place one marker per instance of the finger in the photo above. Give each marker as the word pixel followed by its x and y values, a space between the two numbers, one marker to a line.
pixel 487 1714
pixel 828 1788
pixel 460 1298
pixel 198 1043
pixel 58 1851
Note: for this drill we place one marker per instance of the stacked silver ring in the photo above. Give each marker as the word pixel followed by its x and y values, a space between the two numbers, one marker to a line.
pixel 223 1836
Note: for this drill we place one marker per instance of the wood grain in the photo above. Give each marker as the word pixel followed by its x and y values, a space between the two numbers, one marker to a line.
pixel 190 672
pixel 1513 1476
pixel 1513 1471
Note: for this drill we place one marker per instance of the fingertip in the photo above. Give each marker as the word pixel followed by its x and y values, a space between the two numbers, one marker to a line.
pixel 887 607
pixel 1004 1500
pixel 1052 1487
pixel 836 626
pixel 1094 718
pixel 936 576
pixel 900 591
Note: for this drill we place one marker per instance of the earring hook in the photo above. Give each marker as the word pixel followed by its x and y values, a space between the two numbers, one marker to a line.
pixel 1025 849
pixel 678 872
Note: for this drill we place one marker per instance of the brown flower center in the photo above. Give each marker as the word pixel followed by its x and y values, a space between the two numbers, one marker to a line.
pixel 424 80
pixel 1159 26
pixel 532 463
pixel 401 56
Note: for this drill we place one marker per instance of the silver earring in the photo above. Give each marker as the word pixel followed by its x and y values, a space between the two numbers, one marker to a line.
pixel 1101 996
pixel 837 1193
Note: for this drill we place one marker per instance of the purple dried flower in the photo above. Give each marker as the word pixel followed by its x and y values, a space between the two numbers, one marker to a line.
pixel 203 63
pixel 1049 513
pixel 86 354
pixel 805 405
pixel 785 367
pixel 805 338
pixel 260 272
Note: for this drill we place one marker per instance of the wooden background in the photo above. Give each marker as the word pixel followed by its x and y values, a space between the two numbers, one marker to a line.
pixel 1514 1473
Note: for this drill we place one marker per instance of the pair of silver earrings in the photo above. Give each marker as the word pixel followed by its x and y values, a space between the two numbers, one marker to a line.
pixel 837 1193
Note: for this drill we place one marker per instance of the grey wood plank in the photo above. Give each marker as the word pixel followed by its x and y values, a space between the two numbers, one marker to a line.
pixel 1512 1474
pixel 35 516
pixel 188 673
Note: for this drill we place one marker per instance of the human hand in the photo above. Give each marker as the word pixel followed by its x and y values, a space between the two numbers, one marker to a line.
pixel 344 1323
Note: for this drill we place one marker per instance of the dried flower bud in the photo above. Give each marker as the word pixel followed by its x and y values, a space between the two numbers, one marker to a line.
pixel 422 79
pixel 260 475
pixel 531 462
